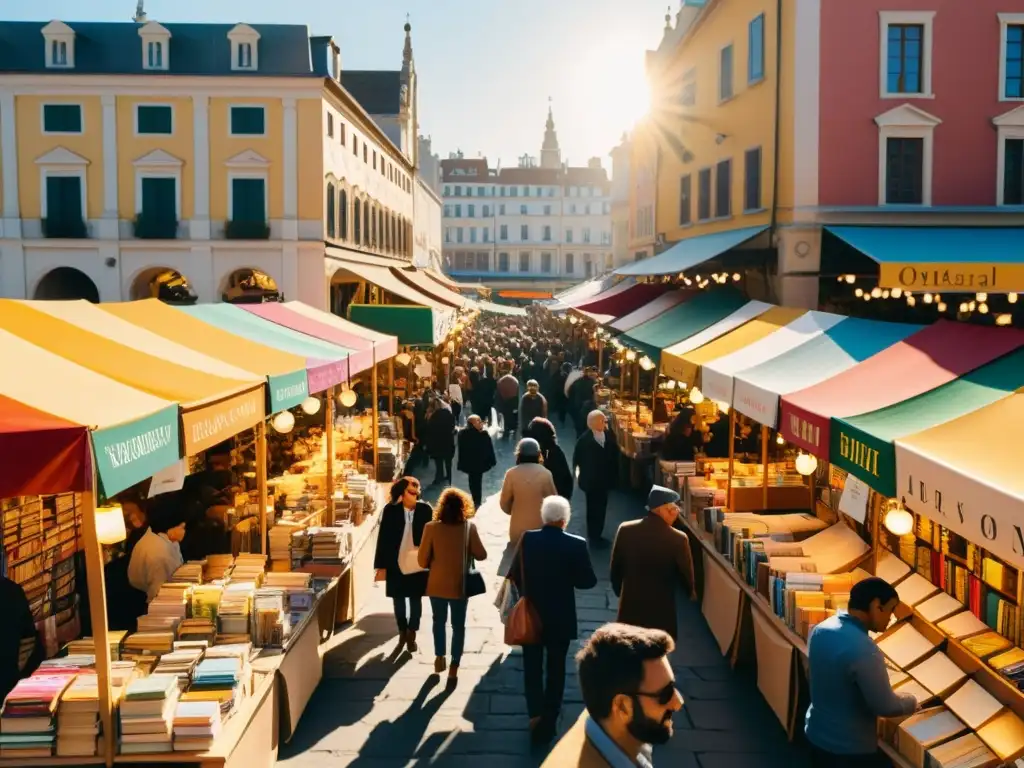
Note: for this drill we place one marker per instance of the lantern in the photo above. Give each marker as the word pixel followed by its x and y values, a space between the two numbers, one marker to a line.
pixel 806 464
pixel 110 525
pixel 311 406
pixel 696 396
pixel 348 397
pixel 898 521
pixel 284 422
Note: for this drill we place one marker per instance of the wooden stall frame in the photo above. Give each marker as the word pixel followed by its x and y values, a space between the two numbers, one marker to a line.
pixel 329 445
pixel 261 480
pixel 376 417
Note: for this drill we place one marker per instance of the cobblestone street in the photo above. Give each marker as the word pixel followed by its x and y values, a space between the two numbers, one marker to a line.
pixel 374 710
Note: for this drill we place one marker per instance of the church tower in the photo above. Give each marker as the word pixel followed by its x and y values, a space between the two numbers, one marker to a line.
pixel 550 154
pixel 409 110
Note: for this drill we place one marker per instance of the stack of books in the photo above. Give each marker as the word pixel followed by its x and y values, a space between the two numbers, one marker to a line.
pixel 331 545
pixel 271 625
pixel 280 537
pixel 147 645
pixel 234 609
pixel 27 718
pixel 181 664
pixel 78 718
pixel 85 645
pixel 217 567
pixel 203 629
pixel 147 711
pixel 189 573
pixel 196 725
pixel 219 680
pixel 249 567
pixel 205 600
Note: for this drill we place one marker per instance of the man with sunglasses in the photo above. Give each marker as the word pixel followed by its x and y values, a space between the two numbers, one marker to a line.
pixel 630 694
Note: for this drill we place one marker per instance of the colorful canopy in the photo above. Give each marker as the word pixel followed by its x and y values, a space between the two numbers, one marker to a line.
pixel 385 344
pixel 326 364
pixel 414 326
pixel 926 360
pixel 691 252
pixel 379 273
pixel 580 293
pixel 768 319
pixel 285 372
pixel 214 407
pixel 416 280
pixel 648 312
pixel 671 359
pixel 135 434
pixel 758 389
pixel 500 309
pixel 683 321
pixel 967 475
pixel 865 445
pixel 718 376
pixel 623 303
pixel 610 292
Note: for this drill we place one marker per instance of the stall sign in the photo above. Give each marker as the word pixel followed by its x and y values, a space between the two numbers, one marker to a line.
pixel 325 375
pixel 288 390
pixel 129 453
pixel 865 456
pixel 963 277
pixel 211 424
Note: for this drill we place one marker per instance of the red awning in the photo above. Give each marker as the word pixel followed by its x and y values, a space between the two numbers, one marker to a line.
pixel 928 359
pixel 617 303
pixel 41 453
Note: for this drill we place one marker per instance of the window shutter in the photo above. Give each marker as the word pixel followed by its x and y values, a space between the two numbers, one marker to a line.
pixel 247 121
pixel 62 118
pixel 64 198
pixel 248 200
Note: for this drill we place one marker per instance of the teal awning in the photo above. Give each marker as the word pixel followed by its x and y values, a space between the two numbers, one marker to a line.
pixel 414 326
pixel 683 321
pixel 687 254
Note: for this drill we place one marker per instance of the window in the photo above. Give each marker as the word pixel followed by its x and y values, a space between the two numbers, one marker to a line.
pixel 458 234
pixel 355 145
pixel 447 191
pixel 248 121
pixel 547 210
pixel 487 234
pixel 487 211
pixel 568 263
pixel 568 234
pixel 1011 61
pixel 330 211
pixel 522 210
pixel 503 233
pixel 447 234
pixel 524 232
pixel 249 199
pixel 366 154
pixel 480 192
pixel 154 119
pixel 586 234
pixel 357 222
pixel 904 171
pixel 343 215
pixel 154 54
pixel 755 50
pixel 752 180
pixel 471 211
pixel 547 234
pixel 62 118
pixel 572 208
pixel 330 125
pixel 685 200
pixel 375 159
pixel 588 267
pixel 472 234
pixel 513 191
pixel 501 209
pixel 905 50
pixel 483 262
pixel 458 191
pixel 725 73
pixel 503 262
pixel 64 203
pixel 59 45
pixel 469 191
pixel 244 56
pixel 502 192
pixel 545 262
pixel 704 194
pixel 524 261
pixel 723 188
pixel 58 53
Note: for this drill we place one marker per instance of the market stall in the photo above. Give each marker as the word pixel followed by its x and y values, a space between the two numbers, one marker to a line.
pixel 620 300
pixel 648 312
pixel 683 321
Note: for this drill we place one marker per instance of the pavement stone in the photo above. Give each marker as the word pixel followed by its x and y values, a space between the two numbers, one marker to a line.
pixel 376 710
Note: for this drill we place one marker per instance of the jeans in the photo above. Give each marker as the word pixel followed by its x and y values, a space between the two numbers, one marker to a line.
pixel 822 759
pixel 509 415
pixel 597 505
pixel 412 619
pixel 440 607
pixel 544 697
pixel 443 469
pixel 476 487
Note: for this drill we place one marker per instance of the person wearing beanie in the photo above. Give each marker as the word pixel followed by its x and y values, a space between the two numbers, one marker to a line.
pixel 649 558
pixel 524 489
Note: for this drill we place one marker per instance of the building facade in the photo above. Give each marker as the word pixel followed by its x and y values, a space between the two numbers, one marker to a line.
pixel 620 202
pixel 535 227
pixel 131 149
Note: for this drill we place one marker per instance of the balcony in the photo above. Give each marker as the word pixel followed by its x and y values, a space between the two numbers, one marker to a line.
pixel 64 227
pixel 155 227
pixel 246 230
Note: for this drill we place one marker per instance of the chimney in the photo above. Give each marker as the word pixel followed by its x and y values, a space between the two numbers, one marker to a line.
pixel 595 163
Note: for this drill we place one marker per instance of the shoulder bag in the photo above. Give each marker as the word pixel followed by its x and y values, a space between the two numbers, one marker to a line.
pixel 472 580
pixel 523 626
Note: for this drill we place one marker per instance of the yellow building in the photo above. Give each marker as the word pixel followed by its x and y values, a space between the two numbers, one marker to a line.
pixel 131 149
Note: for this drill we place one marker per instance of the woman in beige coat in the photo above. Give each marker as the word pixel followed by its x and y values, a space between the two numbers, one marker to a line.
pixel 525 487
pixel 447 544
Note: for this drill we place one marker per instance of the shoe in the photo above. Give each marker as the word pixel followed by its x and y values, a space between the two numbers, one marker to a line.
pixel 439 665
pixel 453 672
pixel 401 643
pixel 410 640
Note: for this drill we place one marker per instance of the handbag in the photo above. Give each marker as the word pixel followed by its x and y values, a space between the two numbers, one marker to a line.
pixel 507 597
pixel 523 626
pixel 472 580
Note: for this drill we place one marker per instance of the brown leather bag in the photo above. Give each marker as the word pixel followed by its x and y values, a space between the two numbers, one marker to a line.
pixel 523 626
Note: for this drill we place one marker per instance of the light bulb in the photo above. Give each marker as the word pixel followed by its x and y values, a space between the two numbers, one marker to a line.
pixel 403 358
pixel 867 297
pixel 1012 298
pixel 573 320
pixel 444 361
pixel 670 384
pixel 284 422
pixel 736 277
pixel 348 397
pixel 928 298
pixel 780 439
pixel 311 406
pixel 688 281
pixel 696 396
pixel 898 521
pixel 806 464
pixel 963 306
pixel 646 363
pixel 1004 319
pixel 983 308
pixel 110 527
pixel 630 355
pixel 858 292
pixel 851 279
pixel 942 306
pixel 971 306
pixel 981 296
pixel 885 294
pixel 911 301
pixel 876 292
pixel 897 292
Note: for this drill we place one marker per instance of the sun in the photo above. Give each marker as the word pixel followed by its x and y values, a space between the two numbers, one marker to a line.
pixel 613 90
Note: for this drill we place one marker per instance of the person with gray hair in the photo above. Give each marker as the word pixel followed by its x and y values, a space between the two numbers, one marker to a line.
pixel 533 405
pixel 595 462
pixel 524 489
pixel 549 565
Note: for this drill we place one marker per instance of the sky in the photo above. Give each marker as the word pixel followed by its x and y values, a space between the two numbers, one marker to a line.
pixel 486 67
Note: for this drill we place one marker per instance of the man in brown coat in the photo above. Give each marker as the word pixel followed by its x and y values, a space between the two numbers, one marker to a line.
pixel 649 557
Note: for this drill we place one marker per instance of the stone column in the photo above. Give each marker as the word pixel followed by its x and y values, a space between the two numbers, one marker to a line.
pixel 290 172
pixel 199 228
pixel 108 228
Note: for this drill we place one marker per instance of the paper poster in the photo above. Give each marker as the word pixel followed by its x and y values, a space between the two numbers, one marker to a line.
pixel 854 501
pixel 168 480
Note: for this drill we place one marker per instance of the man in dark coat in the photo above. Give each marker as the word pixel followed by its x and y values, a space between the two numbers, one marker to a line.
pixel 596 458
pixel 549 566
pixel 533 405
pixel 580 393
pixel 441 441
pixel 476 455
pixel 21 649
pixel 508 403
pixel 649 558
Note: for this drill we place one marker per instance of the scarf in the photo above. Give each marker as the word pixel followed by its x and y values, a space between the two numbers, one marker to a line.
pixel 598 436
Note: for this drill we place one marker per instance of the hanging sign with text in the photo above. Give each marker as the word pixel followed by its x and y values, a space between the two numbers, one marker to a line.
pixel 206 426
pixel 953 278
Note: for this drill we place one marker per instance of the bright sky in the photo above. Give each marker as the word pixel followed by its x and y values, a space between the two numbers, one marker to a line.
pixel 486 67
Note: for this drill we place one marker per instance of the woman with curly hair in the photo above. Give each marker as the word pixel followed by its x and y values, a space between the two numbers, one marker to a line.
pixel 447 546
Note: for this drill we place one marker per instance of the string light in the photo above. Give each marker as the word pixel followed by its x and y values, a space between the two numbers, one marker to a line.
pixel 898 520
pixel 696 396
pixel 982 297
pixel 983 308
pixel 885 294
pixel 942 306
pixel 858 293
pixel 867 297
pixel 780 439
pixel 736 277
pixel 963 306
pixel 876 292
pixel 911 301
pixel 851 279
pixel 1004 319
pixel 972 306
pixel 897 292
pixel 1012 298
pixel 928 298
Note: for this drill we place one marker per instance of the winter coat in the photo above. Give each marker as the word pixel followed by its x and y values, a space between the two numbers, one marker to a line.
pixel 441 434
pixel 476 451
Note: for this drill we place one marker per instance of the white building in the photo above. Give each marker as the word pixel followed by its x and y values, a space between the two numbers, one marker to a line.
pixel 533 227
pixel 620 203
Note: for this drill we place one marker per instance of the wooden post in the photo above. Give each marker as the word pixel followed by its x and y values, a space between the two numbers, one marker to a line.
pixel 732 457
pixel 600 356
pixel 622 379
pixel 98 615
pixel 261 480
pixel 329 446
pixel 765 434
pixel 636 386
pixel 391 389
pixel 376 422
pixel 654 389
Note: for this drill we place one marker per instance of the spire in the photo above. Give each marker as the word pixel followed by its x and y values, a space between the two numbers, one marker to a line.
pixel 550 154
pixel 407 63
pixel 668 19
pixel 140 13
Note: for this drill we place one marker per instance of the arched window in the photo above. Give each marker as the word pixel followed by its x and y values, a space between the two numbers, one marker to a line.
pixel 331 211
pixel 367 232
pixel 401 236
pixel 389 232
pixel 380 231
pixel 373 226
pixel 394 233
pixel 343 215
pixel 357 222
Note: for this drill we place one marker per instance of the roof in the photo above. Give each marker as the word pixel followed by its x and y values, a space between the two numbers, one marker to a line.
pixel 378 91
pixel 115 48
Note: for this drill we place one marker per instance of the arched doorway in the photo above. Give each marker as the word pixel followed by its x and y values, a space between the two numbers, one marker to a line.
pixel 67 283
pixel 164 283
pixel 251 286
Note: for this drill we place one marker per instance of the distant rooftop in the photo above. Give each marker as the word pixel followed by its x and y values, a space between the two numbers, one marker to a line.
pixel 379 92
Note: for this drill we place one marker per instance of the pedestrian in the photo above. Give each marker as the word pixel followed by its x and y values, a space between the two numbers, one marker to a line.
pixel 543 431
pixel 524 488
pixel 508 402
pixel 850 687
pixel 455 394
pixel 581 392
pixel 630 695
pixel 595 463
pixel 649 558
pixel 533 405
pixel 401 532
pixel 549 566
pixel 476 455
pixel 21 647
pixel 441 441
pixel 448 543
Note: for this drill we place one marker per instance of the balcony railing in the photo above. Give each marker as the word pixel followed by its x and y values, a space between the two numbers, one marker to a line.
pixel 246 230
pixel 155 227
pixel 64 227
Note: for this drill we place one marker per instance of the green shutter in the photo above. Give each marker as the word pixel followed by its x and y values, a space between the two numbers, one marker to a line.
pixel 63 198
pixel 248 200
pixel 62 118
pixel 247 121
pixel 159 199
pixel 155 119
